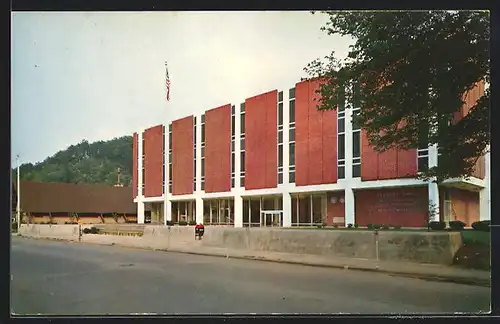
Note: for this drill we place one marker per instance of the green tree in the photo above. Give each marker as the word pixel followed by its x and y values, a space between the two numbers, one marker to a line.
pixel 90 163
pixel 409 71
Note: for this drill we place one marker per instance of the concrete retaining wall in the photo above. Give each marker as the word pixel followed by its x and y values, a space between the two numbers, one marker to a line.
pixel 61 232
pixel 421 247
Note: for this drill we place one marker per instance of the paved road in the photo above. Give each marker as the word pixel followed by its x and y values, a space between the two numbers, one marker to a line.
pixel 70 278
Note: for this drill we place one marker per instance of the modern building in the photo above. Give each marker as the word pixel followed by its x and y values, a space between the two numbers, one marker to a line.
pixel 275 160
pixel 55 202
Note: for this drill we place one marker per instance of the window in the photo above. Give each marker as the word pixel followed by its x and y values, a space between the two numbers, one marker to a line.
pixel 242 123
pixel 341 106
pixel 242 157
pixel 233 110
pixel 341 172
pixel 341 125
pixel 280 96
pixel 356 145
pixel 356 168
pixel 292 111
pixel 232 162
pixel 291 176
pixel 280 178
pixel 202 133
pixel 341 147
pixel 280 113
pixel 242 107
pixel 422 159
pixel 233 125
pixel 291 133
pixel 280 156
pixel 292 154
pixel 203 167
pixel 355 122
pixel 356 94
pixel 280 137
pixel 291 93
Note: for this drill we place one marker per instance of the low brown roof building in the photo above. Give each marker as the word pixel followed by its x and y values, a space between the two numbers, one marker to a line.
pixel 56 197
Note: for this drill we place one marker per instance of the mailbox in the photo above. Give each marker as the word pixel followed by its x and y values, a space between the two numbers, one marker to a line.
pixel 199 230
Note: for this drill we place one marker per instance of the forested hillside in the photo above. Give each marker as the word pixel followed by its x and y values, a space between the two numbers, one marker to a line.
pixel 91 163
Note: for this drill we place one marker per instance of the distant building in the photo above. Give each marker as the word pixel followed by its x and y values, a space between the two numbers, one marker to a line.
pixel 275 160
pixel 44 202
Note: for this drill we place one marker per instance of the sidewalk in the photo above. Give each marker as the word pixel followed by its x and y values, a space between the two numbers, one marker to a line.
pixel 407 269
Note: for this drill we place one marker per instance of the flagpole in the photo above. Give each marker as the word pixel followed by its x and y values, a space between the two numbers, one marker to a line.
pixel 18 193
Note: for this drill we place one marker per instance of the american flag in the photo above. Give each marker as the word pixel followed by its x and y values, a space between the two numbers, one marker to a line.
pixel 167 82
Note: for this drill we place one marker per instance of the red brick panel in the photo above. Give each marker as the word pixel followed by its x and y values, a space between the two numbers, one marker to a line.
pixel 470 98
pixel 182 156
pixel 465 205
pixel 391 164
pixel 301 134
pixel 218 149
pixel 369 160
pixel 261 158
pixel 270 102
pixel 407 163
pixel 393 206
pixel 316 138
pixel 135 164
pixel 387 164
pixel 479 168
pixel 329 146
pixel 335 208
pixel 153 161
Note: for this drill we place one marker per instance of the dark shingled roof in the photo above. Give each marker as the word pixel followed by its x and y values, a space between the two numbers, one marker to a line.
pixel 75 198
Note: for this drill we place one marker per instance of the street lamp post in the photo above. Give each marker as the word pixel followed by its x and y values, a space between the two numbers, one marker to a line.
pixel 18 194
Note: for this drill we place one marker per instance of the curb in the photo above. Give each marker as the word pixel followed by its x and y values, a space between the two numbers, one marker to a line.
pixel 428 277
pixel 451 279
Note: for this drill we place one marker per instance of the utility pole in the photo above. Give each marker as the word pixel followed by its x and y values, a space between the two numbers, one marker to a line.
pixel 18 193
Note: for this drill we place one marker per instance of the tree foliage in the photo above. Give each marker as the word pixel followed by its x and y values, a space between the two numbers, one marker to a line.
pixel 88 163
pixel 409 72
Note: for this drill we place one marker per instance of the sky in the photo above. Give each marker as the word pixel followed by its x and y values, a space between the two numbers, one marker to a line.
pixel 100 75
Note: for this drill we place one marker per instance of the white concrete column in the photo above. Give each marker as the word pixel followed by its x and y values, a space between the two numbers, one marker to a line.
pixel 286 144
pixel 287 210
pixel 198 154
pixel 139 165
pixel 237 146
pixel 485 193
pixel 140 213
pixel 238 211
pixel 433 188
pixel 348 147
pixel 349 205
pixel 199 210
pixel 434 199
pixel 168 211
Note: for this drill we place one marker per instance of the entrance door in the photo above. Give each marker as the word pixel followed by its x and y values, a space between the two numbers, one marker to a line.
pixel 271 219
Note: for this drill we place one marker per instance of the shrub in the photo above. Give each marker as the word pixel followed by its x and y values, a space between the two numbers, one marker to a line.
pixel 170 223
pixel 335 226
pixel 437 226
pixel 356 225
pixel 456 225
pixel 377 226
pixel 483 226
pixel 396 226
pixel 14 226
pixel 369 226
pixel 192 222
pixel 94 230
pixel 183 223
pixel 385 227
pixel 86 230
pixel 349 225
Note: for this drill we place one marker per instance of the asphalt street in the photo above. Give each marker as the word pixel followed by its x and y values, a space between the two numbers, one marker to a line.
pixel 61 278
